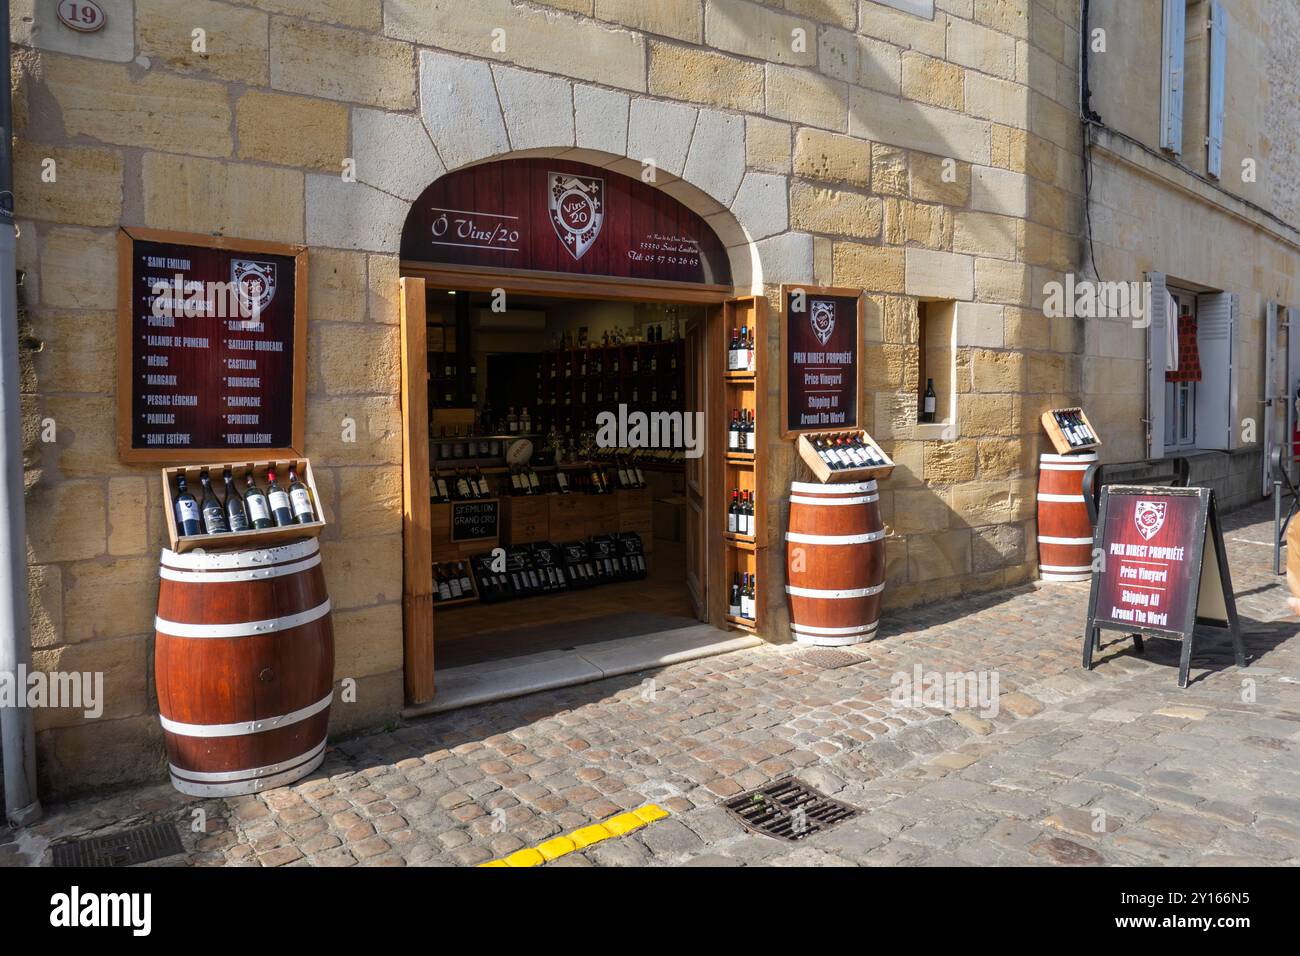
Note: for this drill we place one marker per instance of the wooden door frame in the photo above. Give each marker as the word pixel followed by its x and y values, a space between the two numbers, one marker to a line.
pixel 417 545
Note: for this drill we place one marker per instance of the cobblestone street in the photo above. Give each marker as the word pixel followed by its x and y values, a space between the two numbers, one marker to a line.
pixel 1116 766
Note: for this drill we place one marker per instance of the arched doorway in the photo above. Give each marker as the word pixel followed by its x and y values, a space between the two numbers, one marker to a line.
pixel 497 259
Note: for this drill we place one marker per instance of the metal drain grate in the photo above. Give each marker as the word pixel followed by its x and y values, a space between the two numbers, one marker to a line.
pixel 127 848
pixel 830 657
pixel 788 810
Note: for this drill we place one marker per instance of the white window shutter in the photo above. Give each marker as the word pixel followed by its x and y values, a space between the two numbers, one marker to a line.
pixel 1171 80
pixel 1216 395
pixel 1218 68
pixel 1157 308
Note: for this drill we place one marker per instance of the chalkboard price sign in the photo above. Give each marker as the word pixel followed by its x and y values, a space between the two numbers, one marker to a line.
pixel 211 344
pixel 475 520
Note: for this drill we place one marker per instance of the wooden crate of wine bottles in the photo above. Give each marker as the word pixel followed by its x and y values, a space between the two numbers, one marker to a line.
pixel 1070 430
pixel 837 456
pixel 285 514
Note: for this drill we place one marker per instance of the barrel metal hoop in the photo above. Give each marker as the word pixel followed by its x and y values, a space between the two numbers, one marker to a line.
pixel 1066 569
pixel 833 594
pixel 800 538
pixel 242 628
pixel 247 558
pixel 237 787
pixel 251 574
pixel 222 776
pixel 244 727
pixel 1061 498
pixel 863 500
pixel 1046 458
pixel 1048 539
pixel 853 487
pixel 830 631
pixel 1065 467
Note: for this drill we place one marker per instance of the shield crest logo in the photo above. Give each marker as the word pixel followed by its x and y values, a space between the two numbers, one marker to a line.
pixel 254 284
pixel 1149 518
pixel 822 319
pixel 577 207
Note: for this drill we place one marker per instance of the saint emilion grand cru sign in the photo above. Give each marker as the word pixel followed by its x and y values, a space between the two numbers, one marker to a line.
pixel 211 347
pixel 550 215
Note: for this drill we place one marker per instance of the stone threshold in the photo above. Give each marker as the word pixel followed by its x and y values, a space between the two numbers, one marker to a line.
pixel 516 676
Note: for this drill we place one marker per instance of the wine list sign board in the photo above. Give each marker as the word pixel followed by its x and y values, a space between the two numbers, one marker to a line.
pixel 211 347
pixel 821 367
pixel 1161 568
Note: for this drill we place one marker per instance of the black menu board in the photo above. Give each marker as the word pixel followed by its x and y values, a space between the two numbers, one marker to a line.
pixel 211 347
pixel 820 364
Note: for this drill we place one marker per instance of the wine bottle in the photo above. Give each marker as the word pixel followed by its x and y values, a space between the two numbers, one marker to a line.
pixel 534 484
pixel 278 498
pixel 733 433
pixel 214 515
pixel 928 402
pixel 443 587
pixel 300 500
pixel 733 513
pixel 236 516
pixel 747 597
pixel 259 511
pixel 733 603
pixel 188 516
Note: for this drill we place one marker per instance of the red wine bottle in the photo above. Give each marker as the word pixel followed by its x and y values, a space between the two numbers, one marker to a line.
pixel 214 515
pixel 276 496
pixel 188 519
pixel 236 516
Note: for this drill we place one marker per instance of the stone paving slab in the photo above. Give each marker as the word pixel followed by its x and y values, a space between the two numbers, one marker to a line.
pixel 1113 766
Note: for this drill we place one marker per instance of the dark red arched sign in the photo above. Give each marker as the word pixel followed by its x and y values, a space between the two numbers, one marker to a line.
pixel 555 216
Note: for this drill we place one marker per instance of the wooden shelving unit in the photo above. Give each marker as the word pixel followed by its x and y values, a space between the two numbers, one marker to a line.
pixel 745 390
pixel 1057 435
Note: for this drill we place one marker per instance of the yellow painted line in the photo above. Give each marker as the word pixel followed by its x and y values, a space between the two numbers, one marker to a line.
pixel 583 837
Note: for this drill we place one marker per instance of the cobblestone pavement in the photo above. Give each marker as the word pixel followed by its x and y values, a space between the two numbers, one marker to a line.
pixel 1115 766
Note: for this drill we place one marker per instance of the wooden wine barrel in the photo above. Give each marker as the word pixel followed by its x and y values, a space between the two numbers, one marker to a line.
pixel 244 664
pixel 835 562
pixel 1064 531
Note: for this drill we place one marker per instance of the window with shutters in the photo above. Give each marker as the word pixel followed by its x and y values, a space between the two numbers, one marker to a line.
pixel 1192 364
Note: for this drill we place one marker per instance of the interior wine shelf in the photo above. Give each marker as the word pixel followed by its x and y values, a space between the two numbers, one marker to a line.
pixel 826 474
pixel 743 390
pixel 1055 425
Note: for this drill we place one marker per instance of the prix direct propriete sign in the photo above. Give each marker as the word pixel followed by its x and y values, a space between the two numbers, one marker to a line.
pixel 555 216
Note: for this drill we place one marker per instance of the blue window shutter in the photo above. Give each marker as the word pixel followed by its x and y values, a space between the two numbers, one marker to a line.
pixel 1171 81
pixel 1158 322
pixel 1218 67
pixel 1216 393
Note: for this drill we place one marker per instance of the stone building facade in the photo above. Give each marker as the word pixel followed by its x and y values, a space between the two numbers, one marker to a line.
pixel 920 150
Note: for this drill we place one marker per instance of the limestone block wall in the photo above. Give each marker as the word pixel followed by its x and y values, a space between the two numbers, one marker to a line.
pixel 832 141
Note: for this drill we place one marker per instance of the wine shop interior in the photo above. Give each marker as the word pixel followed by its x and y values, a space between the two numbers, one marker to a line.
pixel 554 522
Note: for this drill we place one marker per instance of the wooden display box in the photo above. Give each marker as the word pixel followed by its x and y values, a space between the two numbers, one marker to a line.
pixel 826 474
pixel 264 538
pixel 525 519
pixel 450 566
pixel 1059 441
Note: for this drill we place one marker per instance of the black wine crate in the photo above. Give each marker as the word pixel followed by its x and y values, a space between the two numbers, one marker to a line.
pixel 826 474
pixel 234 540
